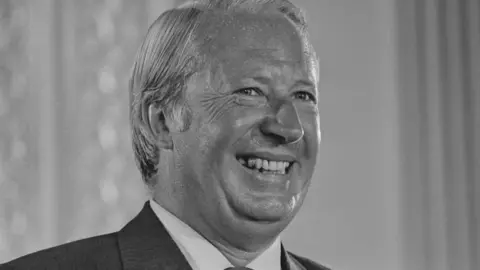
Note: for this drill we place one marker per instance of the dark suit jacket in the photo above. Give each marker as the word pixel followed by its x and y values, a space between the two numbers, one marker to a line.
pixel 143 243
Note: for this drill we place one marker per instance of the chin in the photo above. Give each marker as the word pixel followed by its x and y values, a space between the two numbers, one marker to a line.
pixel 257 200
pixel 264 209
pixel 248 221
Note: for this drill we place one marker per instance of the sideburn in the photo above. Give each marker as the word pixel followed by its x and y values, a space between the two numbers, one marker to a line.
pixel 181 117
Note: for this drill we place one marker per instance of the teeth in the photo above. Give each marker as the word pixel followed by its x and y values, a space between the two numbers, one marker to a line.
pixel 259 163
pixel 272 165
pixel 267 165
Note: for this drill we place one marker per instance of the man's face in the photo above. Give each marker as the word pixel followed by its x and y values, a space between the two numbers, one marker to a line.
pixel 246 161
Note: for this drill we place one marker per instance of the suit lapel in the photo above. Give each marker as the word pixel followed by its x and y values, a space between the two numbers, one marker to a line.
pixel 145 244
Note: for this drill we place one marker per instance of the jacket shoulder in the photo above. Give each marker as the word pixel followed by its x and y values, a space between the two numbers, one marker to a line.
pixel 307 263
pixel 99 252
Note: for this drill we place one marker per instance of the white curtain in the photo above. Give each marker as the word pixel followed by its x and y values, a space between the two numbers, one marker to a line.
pixel 66 164
pixel 439 88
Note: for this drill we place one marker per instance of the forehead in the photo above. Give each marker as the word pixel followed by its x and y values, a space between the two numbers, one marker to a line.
pixel 249 42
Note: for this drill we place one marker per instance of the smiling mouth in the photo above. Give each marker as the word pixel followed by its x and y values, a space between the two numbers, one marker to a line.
pixel 265 166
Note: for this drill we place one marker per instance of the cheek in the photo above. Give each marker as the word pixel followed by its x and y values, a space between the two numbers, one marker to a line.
pixel 311 128
pixel 212 141
pixel 245 119
pixel 206 136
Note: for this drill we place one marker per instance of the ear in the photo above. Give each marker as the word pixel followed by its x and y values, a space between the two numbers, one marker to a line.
pixel 158 127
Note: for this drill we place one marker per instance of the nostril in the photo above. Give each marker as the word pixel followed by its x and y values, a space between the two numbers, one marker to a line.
pixel 281 134
pixel 295 135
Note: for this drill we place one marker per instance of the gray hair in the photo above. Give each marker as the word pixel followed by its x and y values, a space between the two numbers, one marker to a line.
pixel 168 57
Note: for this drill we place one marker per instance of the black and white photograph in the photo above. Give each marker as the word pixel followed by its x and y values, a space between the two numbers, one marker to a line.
pixel 240 134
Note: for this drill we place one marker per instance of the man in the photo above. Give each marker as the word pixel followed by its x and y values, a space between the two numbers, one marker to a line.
pixel 225 128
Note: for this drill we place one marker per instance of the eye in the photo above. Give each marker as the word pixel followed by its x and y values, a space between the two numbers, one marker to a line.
pixel 305 96
pixel 250 91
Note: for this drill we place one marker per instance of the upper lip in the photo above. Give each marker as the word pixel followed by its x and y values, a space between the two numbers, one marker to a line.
pixel 271 154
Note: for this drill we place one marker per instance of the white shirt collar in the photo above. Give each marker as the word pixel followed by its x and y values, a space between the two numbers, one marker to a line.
pixel 201 254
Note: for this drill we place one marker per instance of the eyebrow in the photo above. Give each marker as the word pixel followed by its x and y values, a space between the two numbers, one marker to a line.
pixel 262 80
pixel 305 83
pixel 266 81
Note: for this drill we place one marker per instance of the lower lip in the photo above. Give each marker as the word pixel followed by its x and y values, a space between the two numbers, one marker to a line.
pixel 263 190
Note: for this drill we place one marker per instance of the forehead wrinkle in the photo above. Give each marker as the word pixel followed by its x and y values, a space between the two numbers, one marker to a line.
pixel 277 57
pixel 215 29
pixel 215 22
pixel 266 75
pixel 219 48
pixel 255 58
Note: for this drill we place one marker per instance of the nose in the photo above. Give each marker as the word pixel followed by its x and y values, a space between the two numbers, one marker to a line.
pixel 285 127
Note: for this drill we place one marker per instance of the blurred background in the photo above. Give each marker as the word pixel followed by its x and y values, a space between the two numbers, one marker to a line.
pixel 397 184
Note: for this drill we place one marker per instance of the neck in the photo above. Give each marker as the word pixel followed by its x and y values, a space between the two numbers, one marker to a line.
pixel 174 197
pixel 237 256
